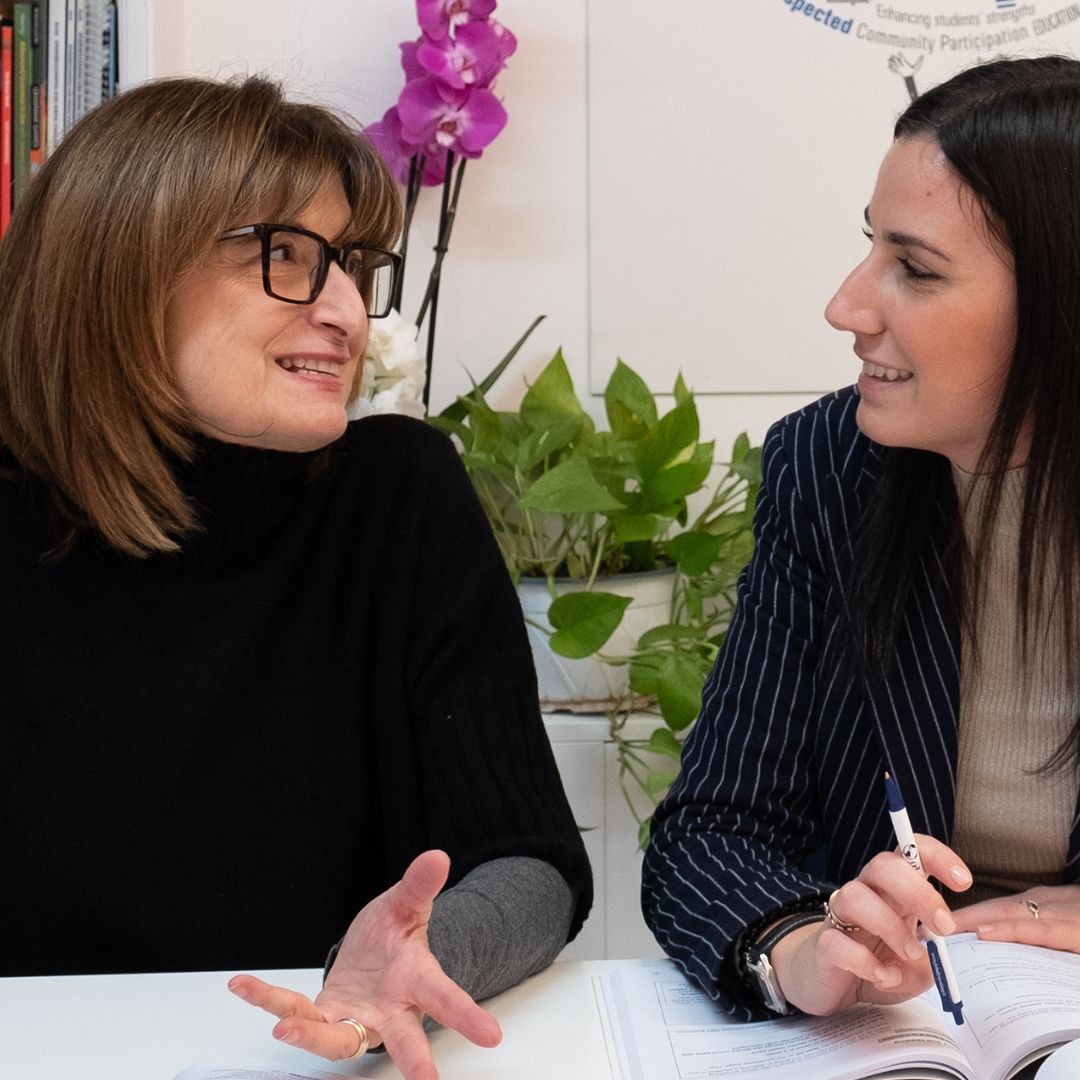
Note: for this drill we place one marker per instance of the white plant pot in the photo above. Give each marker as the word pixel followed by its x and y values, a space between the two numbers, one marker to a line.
pixel 590 685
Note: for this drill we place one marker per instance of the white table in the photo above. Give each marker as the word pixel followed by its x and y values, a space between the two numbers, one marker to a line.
pixel 151 1027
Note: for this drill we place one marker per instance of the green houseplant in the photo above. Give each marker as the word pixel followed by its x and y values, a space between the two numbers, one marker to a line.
pixel 569 502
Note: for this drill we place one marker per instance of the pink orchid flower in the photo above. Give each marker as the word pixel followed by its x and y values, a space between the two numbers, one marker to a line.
pixel 471 58
pixel 462 121
pixel 438 18
pixel 385 136
pixel 409 64
pixel 506 41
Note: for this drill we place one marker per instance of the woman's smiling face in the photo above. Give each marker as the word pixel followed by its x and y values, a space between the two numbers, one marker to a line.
pixel 932 308
pixel 257 371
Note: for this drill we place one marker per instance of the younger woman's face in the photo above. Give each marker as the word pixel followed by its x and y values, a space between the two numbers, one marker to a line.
pixel 932 308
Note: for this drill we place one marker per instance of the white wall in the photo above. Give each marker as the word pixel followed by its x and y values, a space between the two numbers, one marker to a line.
pixel 679 184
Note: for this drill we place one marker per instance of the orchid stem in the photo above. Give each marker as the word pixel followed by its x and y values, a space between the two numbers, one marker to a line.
pixel 430 355
pixel 446 224
pixel 412 195
pixel 447 212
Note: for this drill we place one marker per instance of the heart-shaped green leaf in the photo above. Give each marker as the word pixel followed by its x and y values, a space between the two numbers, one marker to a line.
pixel 583 622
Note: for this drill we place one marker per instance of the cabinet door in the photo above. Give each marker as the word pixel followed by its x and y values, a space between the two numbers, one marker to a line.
pixel 588 765
pixel 626 935
pixel 581 766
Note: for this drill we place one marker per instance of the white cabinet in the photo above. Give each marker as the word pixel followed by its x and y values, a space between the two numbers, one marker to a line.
pixel 588 765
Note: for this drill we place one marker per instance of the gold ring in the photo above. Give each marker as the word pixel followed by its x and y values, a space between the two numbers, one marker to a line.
pixel 362 1032
pixel 846 927
pixel 1033 907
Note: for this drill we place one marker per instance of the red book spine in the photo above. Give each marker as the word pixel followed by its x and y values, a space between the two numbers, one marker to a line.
pixel 7 49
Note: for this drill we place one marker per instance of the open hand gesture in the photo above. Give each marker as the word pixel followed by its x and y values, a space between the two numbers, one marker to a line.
pixel 386 979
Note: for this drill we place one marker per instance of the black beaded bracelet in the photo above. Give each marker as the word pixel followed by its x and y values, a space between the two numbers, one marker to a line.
pixel 756 960
pixel 810 906
pixel 785 926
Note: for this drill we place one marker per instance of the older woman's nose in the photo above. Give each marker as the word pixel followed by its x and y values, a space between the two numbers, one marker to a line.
pixel 340 304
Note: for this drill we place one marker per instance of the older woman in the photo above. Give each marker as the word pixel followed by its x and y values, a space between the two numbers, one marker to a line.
pixel 912 604
pixel 262 669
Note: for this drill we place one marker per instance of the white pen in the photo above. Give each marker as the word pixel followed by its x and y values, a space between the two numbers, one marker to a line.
pixel 940 965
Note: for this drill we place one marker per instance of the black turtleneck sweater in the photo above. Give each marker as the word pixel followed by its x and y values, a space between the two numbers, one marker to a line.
pixel 213 759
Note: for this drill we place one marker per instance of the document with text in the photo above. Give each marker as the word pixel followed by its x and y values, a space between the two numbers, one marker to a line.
pixel 1020 1003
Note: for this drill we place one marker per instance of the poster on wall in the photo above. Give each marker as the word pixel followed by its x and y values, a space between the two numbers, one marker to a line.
pixel 732 149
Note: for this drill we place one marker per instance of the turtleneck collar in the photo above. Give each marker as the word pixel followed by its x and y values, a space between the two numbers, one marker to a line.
pixel 244 496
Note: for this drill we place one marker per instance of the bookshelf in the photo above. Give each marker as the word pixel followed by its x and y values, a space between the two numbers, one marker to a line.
pixel 58 60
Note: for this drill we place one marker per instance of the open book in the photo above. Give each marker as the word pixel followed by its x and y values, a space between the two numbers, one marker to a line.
pixel 1020 1003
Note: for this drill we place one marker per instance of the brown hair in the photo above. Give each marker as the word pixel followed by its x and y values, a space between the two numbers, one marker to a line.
pixel 133 198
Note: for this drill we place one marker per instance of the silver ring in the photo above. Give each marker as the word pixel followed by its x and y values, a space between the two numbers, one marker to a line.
pixel 838 923
pixel 1033 907
pixel 362 1032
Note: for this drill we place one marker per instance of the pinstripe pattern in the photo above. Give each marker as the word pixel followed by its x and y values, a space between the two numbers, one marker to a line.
pixel 787 741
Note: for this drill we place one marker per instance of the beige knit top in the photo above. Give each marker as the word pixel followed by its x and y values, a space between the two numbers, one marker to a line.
pixel 1012 823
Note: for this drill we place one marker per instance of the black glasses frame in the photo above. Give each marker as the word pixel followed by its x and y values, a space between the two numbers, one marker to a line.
pixel 328 254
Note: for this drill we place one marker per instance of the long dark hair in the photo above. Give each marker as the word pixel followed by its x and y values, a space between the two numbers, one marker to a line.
pixel 1011 131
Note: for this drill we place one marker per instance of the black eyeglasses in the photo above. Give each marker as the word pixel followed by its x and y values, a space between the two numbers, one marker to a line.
pixel 295 263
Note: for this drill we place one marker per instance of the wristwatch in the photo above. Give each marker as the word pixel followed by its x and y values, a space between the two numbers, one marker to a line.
pixel 757 962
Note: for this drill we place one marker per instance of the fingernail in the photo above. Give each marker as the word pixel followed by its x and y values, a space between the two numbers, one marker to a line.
pixel 292 1037
pixel 989 929
pixel 241 990
pixel 889 977
pixel 961 874
pixel 912 950
pixel 944 922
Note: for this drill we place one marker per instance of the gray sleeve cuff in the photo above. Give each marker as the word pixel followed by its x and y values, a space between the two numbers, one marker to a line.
pixel 503 921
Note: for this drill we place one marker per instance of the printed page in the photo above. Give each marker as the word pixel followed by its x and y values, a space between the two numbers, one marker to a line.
pixel 1018 1000
pixel 664 1029
pixel 252 1070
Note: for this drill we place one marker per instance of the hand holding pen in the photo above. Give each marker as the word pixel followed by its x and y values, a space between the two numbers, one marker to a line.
pixel 936 949
pixel 871 950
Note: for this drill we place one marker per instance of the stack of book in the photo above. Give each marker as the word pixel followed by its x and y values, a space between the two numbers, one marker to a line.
pixel 57 61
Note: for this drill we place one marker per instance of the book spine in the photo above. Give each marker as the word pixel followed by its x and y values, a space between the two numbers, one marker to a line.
pixel 80 59
pixel 20 132
pixel 111 55
pixel 69 66
pixel 92 53
pixel 38 106
pixel 55 81
pixel 7 50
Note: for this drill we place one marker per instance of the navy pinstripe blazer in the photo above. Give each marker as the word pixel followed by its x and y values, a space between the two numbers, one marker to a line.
pixel 788 753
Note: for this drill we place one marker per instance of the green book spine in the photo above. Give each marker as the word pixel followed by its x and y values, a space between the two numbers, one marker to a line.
pixel 38 54
pixel 20 128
